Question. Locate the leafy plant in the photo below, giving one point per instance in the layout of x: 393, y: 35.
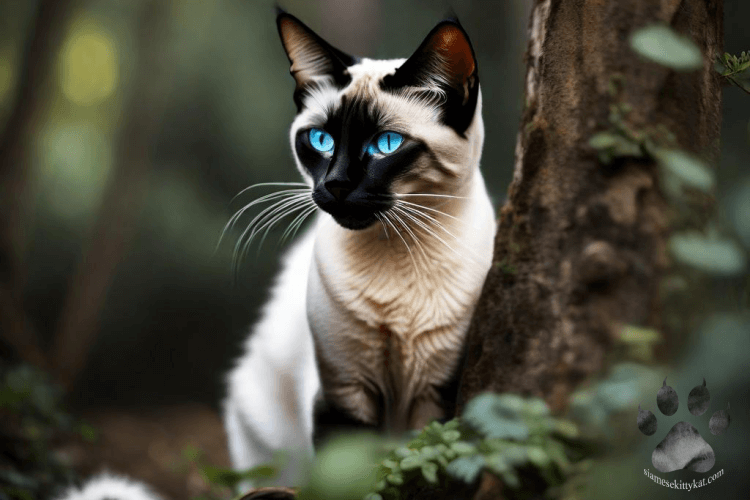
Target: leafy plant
x: 498, y: 433
x: 735, y: 69
x: 32, y: 420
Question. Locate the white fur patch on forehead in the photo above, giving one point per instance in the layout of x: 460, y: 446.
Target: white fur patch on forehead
x: 319, y: 102
x: 374, y: 68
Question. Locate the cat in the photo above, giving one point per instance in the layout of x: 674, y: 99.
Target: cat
x: 368, y: 316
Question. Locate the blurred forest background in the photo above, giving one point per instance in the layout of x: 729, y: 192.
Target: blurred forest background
x: 157, y: 113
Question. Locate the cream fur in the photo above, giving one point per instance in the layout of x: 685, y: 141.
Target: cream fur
x: 340, y: 290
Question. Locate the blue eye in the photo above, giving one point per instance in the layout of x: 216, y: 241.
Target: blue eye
x: 388, y: 142
x: 321, y: 140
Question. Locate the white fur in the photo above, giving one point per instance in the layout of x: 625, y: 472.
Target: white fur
x: 108, y: 486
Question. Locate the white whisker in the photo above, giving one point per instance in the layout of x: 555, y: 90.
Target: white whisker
x: 273, y: 218
x: 233, y: 220
x: 266, y: 184
x: 379, y: 216
x: 418, y: 206
x: 434, y: 195
x: 387, y: 216
x: 413, y: 235
x: 425, y: 227
x: 291, y: 230
x: 439, y: 225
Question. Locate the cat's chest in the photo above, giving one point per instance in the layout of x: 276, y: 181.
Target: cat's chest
x: 381, y: 285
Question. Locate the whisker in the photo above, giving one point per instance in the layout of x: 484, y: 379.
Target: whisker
x: 413, y: 236
x: 291, y: 230
x: 272, y: 218
x: 262, y: 219
x: 267, y: 222
x: 233, y: 220
x: 266, y: 184
x: 417, y: 205
x: 398, y: 233
x: 267, y: 212
x: 403, y: 195
x: 379, y: 216
x: 425, y: 227
x: 439, y: 225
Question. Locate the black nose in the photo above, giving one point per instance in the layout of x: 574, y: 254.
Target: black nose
x: 338, y: 189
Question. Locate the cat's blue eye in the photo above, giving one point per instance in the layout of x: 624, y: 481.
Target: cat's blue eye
x: 321, y: 140
x: 388, y: 142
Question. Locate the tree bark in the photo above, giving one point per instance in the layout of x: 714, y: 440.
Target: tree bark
x: 40, y: 50
x: 581, y: 245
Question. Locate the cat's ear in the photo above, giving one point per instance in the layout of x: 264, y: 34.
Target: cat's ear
x: 444, y: 62
x: 311, y: 57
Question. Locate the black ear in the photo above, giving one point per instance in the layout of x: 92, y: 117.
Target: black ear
x: 444, y: 61
x: 312, y: 58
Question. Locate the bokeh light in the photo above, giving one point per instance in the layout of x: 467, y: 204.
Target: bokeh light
x: 88, y: 63
x: 75, y: 163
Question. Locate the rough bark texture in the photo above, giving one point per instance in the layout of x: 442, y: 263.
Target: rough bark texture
x: 580, y: 245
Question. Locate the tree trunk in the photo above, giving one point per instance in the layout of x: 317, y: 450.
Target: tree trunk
x: 581, y: 245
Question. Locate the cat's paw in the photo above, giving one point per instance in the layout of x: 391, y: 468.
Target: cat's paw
x: 683, y: 447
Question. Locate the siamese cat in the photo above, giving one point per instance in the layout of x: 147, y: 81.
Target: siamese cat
x: 369, y: 313
x: 368, y: 316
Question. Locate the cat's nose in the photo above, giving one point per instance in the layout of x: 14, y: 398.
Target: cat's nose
x: 338, y: 190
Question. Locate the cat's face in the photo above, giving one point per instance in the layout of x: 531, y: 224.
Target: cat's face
x: 368, y: 131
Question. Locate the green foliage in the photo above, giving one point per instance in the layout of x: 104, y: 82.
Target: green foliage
x: 344, y: 469
x: 33, y: 419
x: 685, y: 168
x: 497, y: 433
x: 709, y: 253
x: 662, y: 45
x: 735, y: 69
x: 223, y: 481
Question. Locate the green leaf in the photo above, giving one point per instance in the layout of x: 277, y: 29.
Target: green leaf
x: 603, y: 140
x: 404, y: 452
x: 411, y: 462
x: 611, y: 145
x: 566, y: 429
x: 463, y: 448
x: 537, y: 408
x: 391, y: 464
x: 396, y: 479
x: 686, y: 167
x: 450, y: 436
x: 538, y: 456
x: 429, y: 472
x: 429, y: 453
x: 715, y: 256
x: 466, y: 468
x: 497, y: 463
x: 497, y: 416
x: 662, y: 45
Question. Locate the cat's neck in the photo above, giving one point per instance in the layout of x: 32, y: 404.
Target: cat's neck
x: 419, y: 238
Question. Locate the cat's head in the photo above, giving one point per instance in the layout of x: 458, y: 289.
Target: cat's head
x: 368, y: 131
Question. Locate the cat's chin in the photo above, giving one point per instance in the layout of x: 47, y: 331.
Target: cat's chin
x: 355, y: 223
